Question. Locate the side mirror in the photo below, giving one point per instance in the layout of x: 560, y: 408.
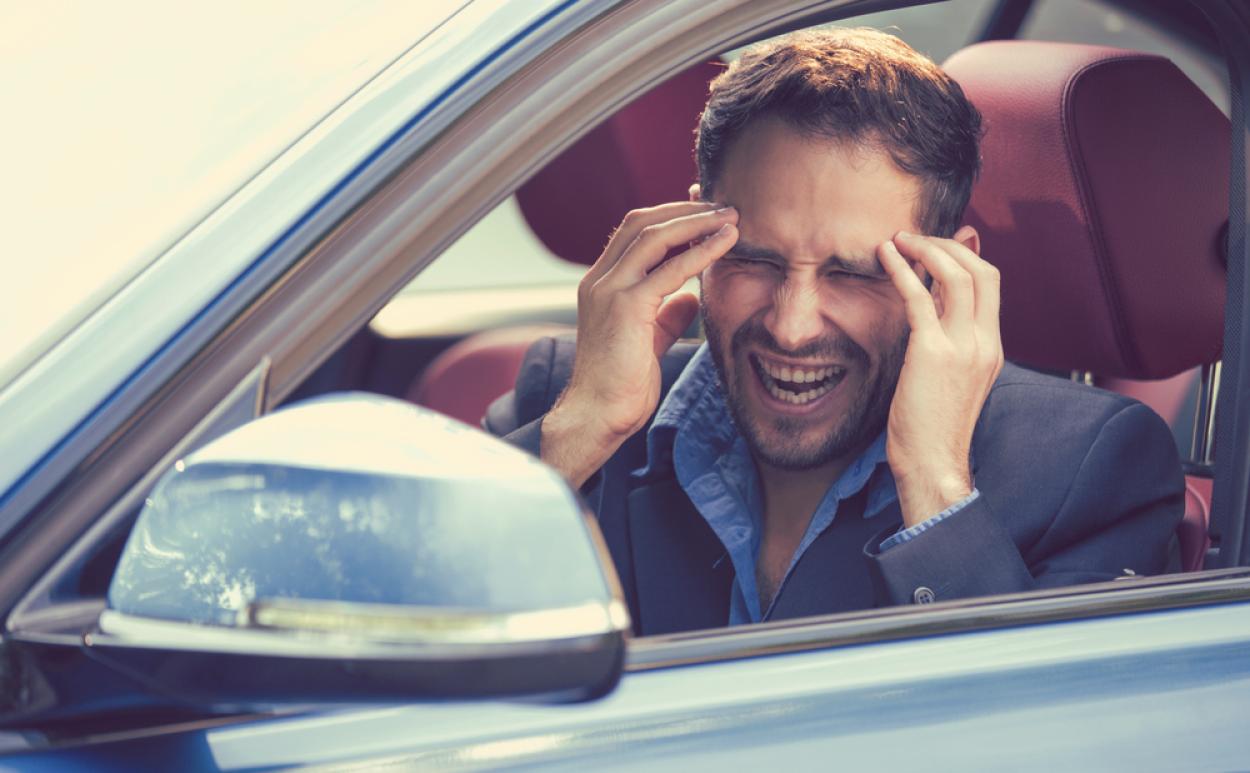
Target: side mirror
x: 356, y: 548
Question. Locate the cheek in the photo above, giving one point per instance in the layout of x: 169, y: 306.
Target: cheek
x: 871, y: 318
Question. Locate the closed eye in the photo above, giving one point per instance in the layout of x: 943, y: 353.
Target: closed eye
x: 840, y: 273
x: 755, y: 263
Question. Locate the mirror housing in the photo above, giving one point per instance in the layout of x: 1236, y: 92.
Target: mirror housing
x: 356, y: 547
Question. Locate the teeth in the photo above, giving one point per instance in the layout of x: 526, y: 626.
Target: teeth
x: 800, y: 375
x: 794, y: 398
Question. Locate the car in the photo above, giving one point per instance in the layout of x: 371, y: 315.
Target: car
x: 172, y: 402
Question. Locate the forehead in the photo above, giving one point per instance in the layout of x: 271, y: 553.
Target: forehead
x: 808, y: 198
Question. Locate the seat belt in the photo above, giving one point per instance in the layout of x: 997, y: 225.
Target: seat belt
x: 1229, y: 536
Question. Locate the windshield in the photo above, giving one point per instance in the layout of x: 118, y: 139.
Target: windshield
x: 127, y: 124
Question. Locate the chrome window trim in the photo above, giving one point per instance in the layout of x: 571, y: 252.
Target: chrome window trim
x: 421, y: 634
x: 1136, y: 596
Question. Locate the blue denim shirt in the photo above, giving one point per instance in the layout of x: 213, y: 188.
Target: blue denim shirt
x: 695, y: 432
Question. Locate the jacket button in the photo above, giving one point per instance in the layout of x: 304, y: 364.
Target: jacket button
x: 923, y: 595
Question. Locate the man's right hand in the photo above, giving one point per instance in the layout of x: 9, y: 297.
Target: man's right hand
x: 624, y: 327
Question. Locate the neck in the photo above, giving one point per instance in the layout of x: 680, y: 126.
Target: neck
x: 791, y: 496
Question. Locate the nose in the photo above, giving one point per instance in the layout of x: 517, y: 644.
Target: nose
x: 795, y: 318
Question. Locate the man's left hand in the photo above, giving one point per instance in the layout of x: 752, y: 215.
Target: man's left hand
x: 953, y: 356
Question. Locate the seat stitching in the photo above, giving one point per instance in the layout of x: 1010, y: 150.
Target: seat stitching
x: 1101, y: 261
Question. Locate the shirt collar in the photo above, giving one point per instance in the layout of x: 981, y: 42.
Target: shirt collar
x: 696, y: 393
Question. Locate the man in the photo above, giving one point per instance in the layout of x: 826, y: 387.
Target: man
x: 848, y: 436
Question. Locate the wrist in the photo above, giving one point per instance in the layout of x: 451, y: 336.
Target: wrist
x: 923, y: 495
x: 575, y: 443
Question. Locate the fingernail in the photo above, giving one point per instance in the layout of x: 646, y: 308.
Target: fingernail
x: 904, y: 234
x: 722, y: 230
x: 724, y: 210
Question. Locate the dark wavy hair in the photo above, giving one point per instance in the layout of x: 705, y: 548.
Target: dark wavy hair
x: 860, y: 86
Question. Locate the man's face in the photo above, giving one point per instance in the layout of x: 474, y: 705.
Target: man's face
x: 806, y: 330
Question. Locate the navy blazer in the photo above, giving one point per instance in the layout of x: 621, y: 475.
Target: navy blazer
x: 1077, y: 485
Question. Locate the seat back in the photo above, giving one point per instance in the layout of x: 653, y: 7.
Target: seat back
x: 1102, y: 201
x: 463, y: 380
x: 639, y: 157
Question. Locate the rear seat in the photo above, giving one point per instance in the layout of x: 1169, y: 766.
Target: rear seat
x: 645, y: 150
x: 1103, y: 213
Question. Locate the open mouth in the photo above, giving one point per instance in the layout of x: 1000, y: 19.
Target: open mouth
x: 797, y: 385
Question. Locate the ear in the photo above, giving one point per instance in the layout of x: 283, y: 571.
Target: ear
x: 694, y: 192
x: 968, y: 237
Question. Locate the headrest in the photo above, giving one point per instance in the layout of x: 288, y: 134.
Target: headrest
x: 641, y: 156
x: 1103, y: 201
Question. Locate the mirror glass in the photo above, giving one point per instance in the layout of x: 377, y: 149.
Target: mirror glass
x: 363, y: 499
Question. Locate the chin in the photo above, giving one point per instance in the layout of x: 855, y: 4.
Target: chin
x: 789, y: 447
x: 836, y: 428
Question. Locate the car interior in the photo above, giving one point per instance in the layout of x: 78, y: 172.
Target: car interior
x: 1117, y: 281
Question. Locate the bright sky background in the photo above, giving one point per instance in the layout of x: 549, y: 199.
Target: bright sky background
x: 126, y: 123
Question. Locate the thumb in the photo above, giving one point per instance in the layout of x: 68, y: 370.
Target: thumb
x: 672, y: 320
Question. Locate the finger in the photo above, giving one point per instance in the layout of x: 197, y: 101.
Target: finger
x: 668, y: 278
x: 656, y: 241
x: 957, y: 289
x: 917, y: 301
x: 632, y: 225
x: 986, y: 281
x: 673, y: 318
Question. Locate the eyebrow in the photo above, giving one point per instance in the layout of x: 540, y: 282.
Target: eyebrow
x: 866, y: 267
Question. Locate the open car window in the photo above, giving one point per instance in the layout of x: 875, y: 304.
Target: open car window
x: 503, y: 261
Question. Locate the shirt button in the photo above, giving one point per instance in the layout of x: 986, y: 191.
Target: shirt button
x: 923, y: 595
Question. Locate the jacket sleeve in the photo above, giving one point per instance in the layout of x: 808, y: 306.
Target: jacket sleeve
x: 516, y: 417
x: 1116, y: 515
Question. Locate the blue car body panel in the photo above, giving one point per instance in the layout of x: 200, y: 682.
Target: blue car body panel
x: 1113, y: 693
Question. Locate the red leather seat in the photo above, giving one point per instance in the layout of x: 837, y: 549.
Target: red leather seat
x: 1166, y: 396
x: 1102, y: 200
x: 465, y: 379
x: 641, y: 156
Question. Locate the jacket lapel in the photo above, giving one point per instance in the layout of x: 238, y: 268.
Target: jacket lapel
x: 681, y: 571
x: 833, y: 574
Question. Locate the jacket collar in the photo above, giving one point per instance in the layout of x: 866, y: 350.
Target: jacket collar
x: 682, y: 574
